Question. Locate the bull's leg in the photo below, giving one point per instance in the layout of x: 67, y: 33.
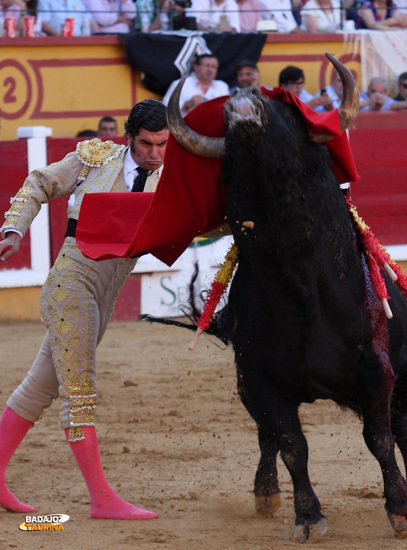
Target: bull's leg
x: 266, y: 489
x: 379, y: 440
x: 398, y: 417
x: 275, y: 416
x: 310, y: 523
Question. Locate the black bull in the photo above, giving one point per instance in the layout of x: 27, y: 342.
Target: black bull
x: 304, y: 319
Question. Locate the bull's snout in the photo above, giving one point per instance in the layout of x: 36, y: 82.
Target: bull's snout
x: 245, y: 105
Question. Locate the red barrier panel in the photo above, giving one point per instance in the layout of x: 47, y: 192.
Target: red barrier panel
x: 13, y: 171
x: 381, y: 193
x: 379, y: 120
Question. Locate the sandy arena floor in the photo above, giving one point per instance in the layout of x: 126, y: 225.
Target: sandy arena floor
x: 175, y: 439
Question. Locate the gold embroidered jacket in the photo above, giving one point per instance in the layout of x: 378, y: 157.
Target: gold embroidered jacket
x: 95, y: 167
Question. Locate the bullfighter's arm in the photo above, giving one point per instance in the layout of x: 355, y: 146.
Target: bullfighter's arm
x: 56, y: 180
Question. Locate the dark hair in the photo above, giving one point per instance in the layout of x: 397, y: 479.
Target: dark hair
x: 246, y: 63
x: 402, y: 76
x: 106, y: 119
x: 149, y: 114
x: 290, y: 74
x: 199, y: 58
x: 87, y: 133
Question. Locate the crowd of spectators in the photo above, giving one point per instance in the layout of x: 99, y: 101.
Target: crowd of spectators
x: 201, y: 85
x: 285, y: 16
x: 289, y: 16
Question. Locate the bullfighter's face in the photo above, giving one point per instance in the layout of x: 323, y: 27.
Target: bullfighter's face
x: 147, y: 148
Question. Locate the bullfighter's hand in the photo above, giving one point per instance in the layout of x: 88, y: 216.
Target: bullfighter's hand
x: 9, y: 246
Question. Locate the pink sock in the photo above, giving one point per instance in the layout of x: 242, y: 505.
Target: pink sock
x: 13, y: 429
x: 104, y: 503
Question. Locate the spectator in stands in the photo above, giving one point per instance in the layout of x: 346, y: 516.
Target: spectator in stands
x: 379, y: 15
x: 281, y: 12
x: 86, y: 133
x: 41, y: 27
x: 321, y: 16
x: 400, y: 101
x: 292, y: 79
x: 247, y: 74
x: 107, y: 128
x: 216, y: 15
x: 19, y: 9
x: 376, y: 98
x: 153, y: 15
x: 249, y: 15
x: 112, y: 16
x: 200, y: 85
x: 13, y: 8
x: 147, y: 15
x: 55, y: 12
x: 334, y: 92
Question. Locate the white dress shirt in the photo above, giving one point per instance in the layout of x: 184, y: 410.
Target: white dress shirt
x: 208, y: 13
x: 106, y: 12
x: 192, y: 87
x: 130, y: 169
x: 326, y: 22
x: 281, y: 12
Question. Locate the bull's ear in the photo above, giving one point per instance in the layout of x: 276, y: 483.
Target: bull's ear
x: 204, y: 146
x: 349, y: 106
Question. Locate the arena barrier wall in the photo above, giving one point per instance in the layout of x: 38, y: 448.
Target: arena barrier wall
x: 69, y: 83
x: 380, y: 196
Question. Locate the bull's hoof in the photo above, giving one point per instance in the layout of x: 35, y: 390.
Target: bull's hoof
x: 399, y: 524
x: 268, y: 506
x: 310, y: 532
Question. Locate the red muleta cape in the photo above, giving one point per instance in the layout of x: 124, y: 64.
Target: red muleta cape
x: 190, y: 199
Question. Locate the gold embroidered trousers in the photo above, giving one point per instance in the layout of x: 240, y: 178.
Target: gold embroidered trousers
x: 76, y: 303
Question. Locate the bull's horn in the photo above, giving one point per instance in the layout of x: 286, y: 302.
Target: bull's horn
x: 204, y: 146
x: 349, y: 106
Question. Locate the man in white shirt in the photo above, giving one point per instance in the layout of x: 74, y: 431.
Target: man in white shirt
x: 200, y: 85
x: 216, y: 15
x: 281, y: 12
x: 112, y: 16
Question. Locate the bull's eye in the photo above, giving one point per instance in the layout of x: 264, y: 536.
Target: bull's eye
x: 291, y: 119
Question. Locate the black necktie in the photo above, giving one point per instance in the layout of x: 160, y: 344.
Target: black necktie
x: 140, y: 180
